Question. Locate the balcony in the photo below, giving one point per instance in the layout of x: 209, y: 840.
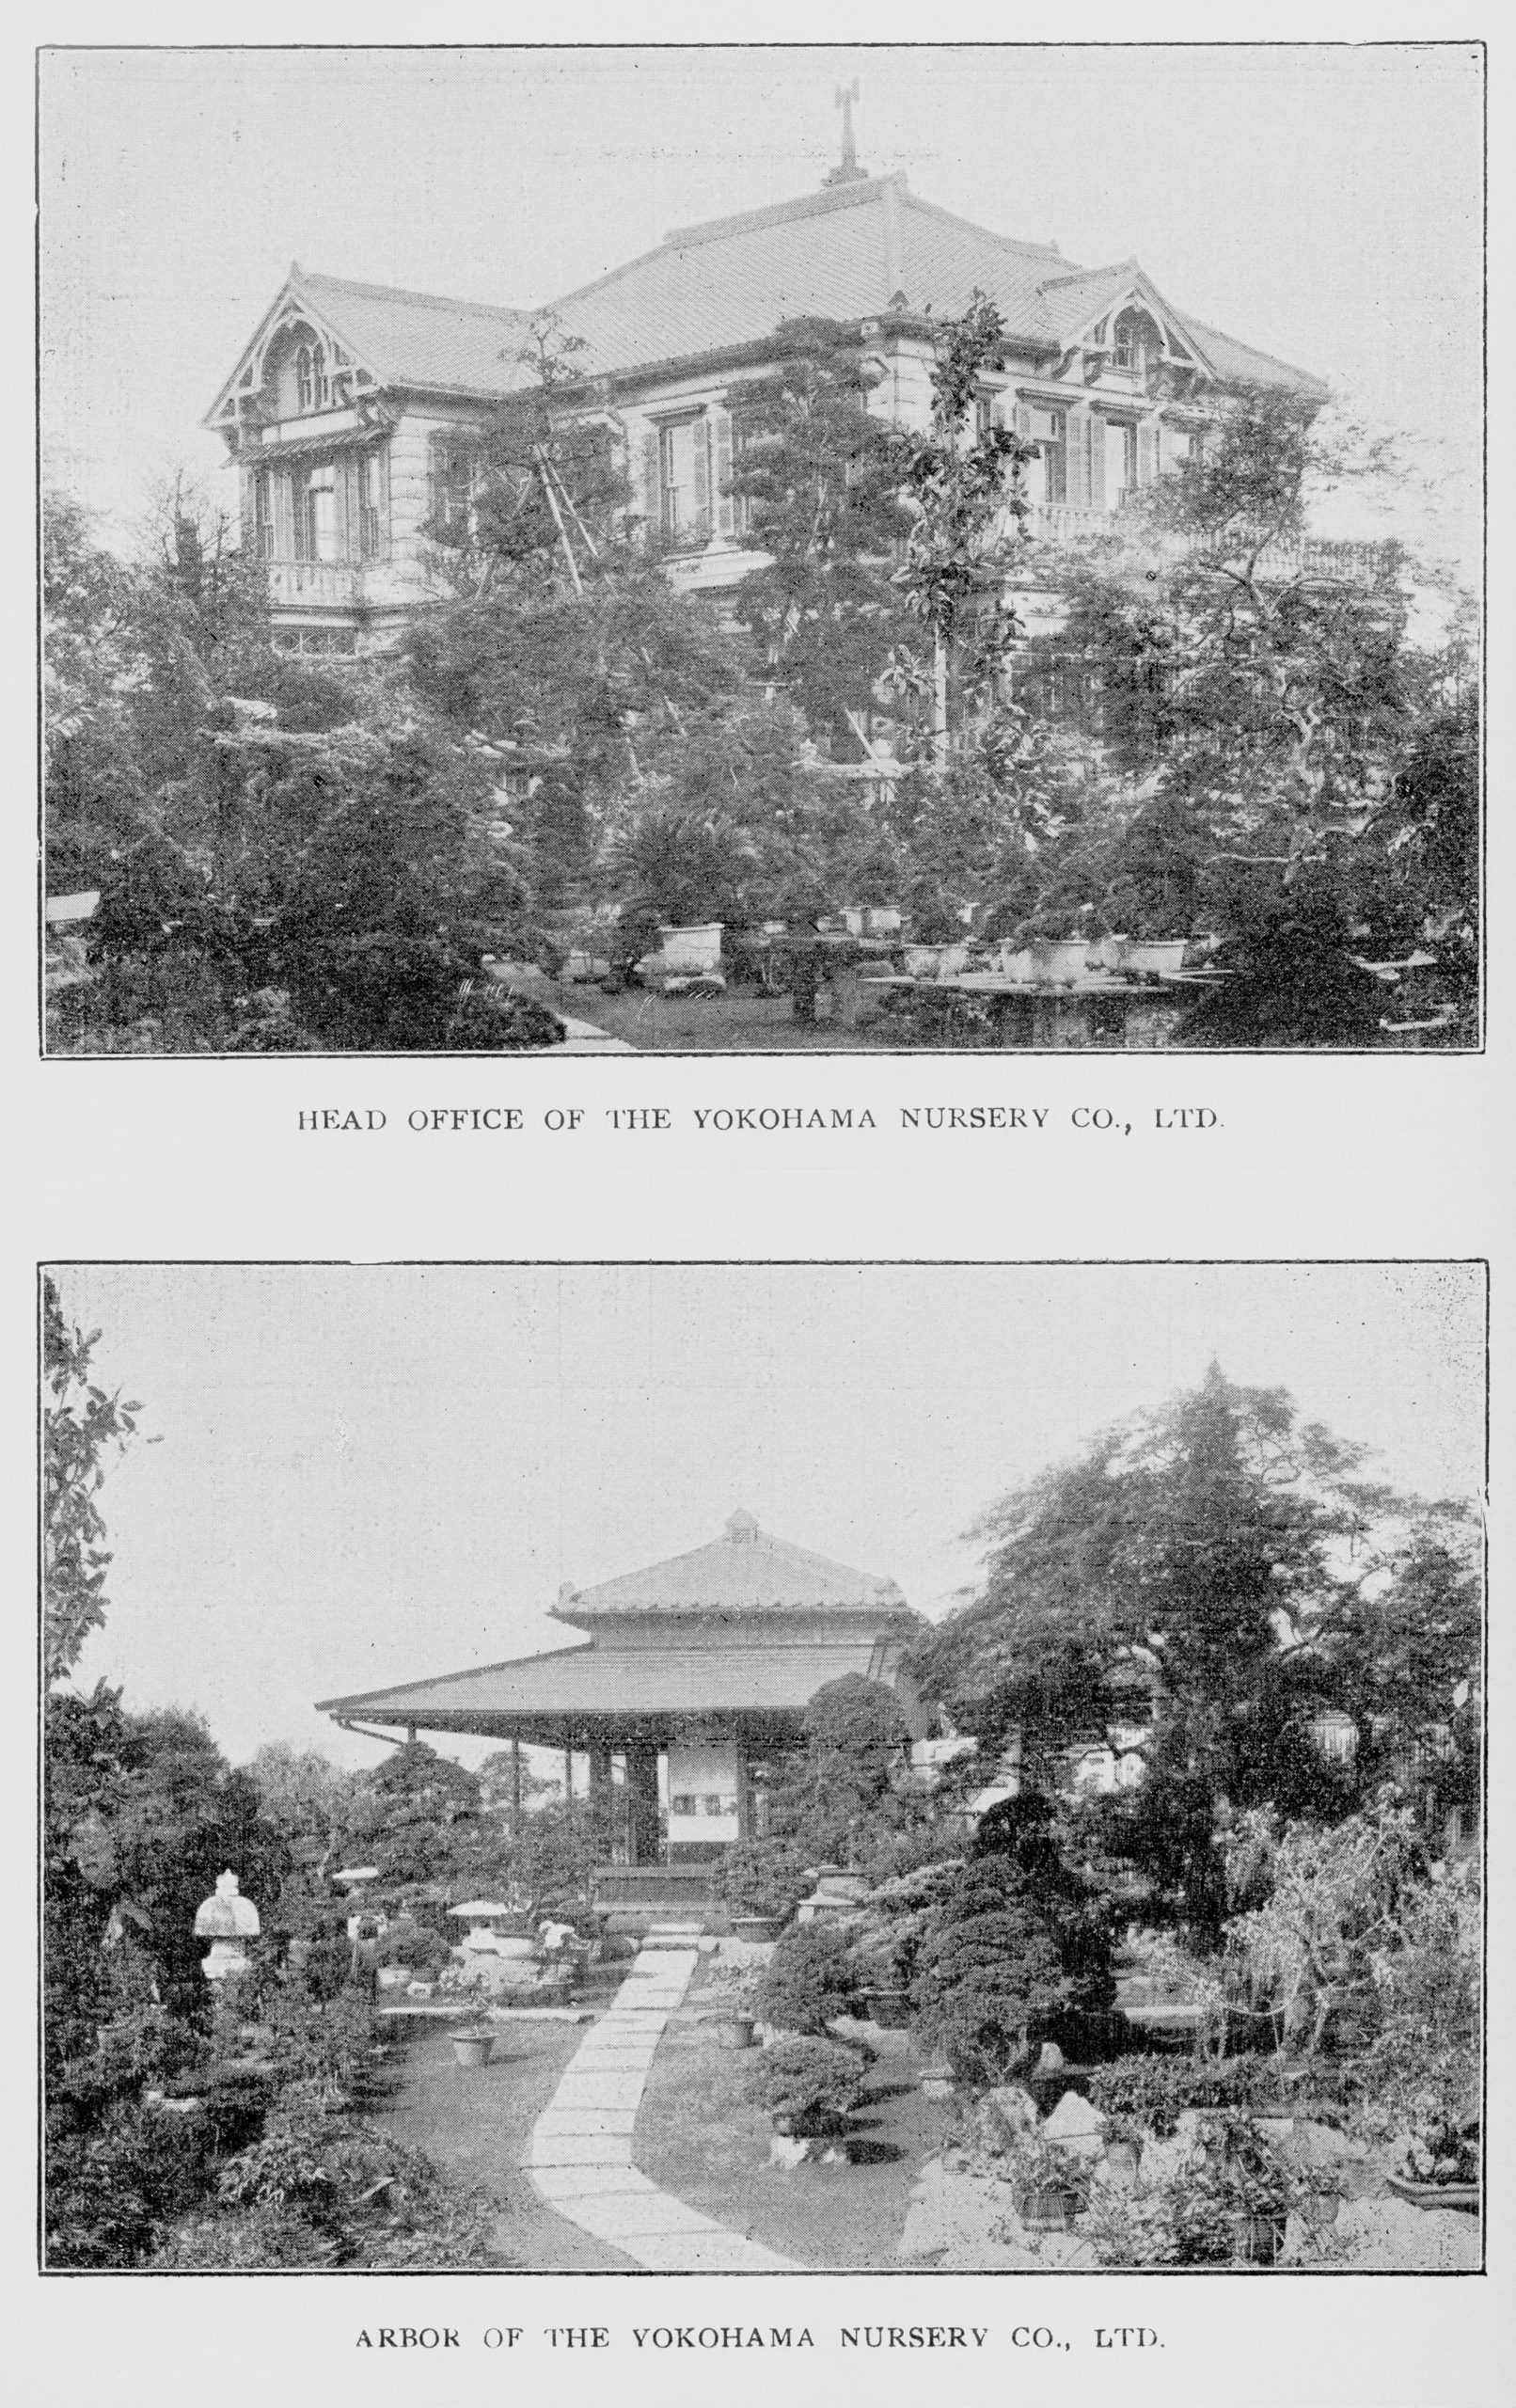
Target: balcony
x: 316, y: 585
x: 1066, y: 525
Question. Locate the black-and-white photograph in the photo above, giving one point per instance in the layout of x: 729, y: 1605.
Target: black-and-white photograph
x: 751, y: 1768
x: 743, y: 550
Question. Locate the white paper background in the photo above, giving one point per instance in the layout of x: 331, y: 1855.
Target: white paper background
x: 1384, y: 1156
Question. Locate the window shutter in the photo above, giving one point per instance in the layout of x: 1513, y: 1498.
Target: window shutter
x: 725, y: 509
x: 350, y: 529
x: 652, y: 481
x: 381, y: 499
x: 1094, y: 438
x: 1146, y: 450
x: 1023, y: 420
x: 701, y: 446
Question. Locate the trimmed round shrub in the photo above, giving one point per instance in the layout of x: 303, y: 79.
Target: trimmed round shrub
x: 809, y: 1980
x: 813, y: 2083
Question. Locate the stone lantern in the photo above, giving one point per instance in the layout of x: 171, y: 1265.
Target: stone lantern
x: 228, y: 1921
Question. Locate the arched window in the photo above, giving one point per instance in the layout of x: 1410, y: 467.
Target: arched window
x: 322, y: 392
x: 303, y: 386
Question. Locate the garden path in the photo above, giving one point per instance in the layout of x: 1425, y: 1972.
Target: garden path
x: 580, y: 2158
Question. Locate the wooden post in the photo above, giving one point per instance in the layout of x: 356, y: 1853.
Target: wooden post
x: 600, y: 1794
x: 744, y: 1814
x: 516, y: 1787
x: 642, y: 1802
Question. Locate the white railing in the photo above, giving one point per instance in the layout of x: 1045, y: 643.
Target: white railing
x: 338, y: 582
x: 1360, y: 563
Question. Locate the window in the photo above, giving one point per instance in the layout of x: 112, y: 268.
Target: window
x: 685, y: 1803
x: 370, y: 523
x: 264, y: 515
x: 1049, y: 475
x: 320, y: 382
x: 669, y: 464
x: 315, y: 514
x: 447, y: 489
x: 302, y: 387
x: 984, y: 417
x: 687, y: 472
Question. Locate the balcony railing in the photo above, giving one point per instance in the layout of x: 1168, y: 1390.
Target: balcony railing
x: 1063, y: 523
x: 336, y: 584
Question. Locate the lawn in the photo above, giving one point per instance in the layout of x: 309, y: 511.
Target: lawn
x: 476, y: 2122
x: 742, y: 1021
x: 698, y: 2137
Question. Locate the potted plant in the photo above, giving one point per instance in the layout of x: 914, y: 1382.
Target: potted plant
x: 1048, y: 2194
x: 1060, y: 955
x: 736, y: 2030
x: 472, y: 2043
x: 1319, y: 2197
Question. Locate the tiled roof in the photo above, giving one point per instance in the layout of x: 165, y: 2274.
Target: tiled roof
x: 855, y: 251
x: 419, y: 338
x: 746, y: 1571
x: 601, y: 1680
x: 846, y: 254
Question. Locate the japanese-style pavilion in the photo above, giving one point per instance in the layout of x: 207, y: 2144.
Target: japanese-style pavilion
x: 706, y: 1662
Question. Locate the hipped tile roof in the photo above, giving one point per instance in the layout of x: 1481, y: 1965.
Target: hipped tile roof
x: 611, y: 1681
x: 746, y: 1571
x: 853, y: 253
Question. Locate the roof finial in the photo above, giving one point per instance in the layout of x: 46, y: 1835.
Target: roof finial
x: 849, y: 172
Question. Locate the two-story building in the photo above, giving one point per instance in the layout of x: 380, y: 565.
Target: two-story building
x: 345, y: 409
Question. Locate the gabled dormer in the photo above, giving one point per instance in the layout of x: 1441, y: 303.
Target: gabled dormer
x: 297, y: 367
x: 1114, y: 327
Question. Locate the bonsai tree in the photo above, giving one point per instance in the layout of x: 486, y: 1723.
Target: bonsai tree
x: 761, y: 1878
x: 809, y: 1979
x: 808, y: 2084
x: 989, y: 1980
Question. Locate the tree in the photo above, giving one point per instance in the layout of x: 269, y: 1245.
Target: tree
x: 1190, y: 1575
x: 964, y: 507
x: 1310, y: 766
x: 833, y: 1794
x: 82, y: 1429
x: 815, y: 476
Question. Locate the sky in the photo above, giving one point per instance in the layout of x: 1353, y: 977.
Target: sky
x: 1324, y: 203
x: 366, y: 1474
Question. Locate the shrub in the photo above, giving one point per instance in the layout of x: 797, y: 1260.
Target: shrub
x: 761, y: 1878
x: 809, y: 1979
x: 813, y: 2083
x: 989, y: 1980
x: 1153, y: 2091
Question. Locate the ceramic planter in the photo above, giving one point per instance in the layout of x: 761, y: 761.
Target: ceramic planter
x: 1062, y: 960
x: 1110, y: 953
x: 1160, y: 959
x: 1018, y: 964
x: 1049, y: 2211
x: 472, y: 2048
x: 736, y: 2031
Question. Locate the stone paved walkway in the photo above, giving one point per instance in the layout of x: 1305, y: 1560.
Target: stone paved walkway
x: 581, y: 2145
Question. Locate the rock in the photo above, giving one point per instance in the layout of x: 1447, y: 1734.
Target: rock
x: 1165, y: 2161
x: 1075, y: 2125
x: 1015, y: 2108
x: 956, y: 2213
x: 788, y: 2153
x: 1051, y: 2058
x: 1391, y: 2236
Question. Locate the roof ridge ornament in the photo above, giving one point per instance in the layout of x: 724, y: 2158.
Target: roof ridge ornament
x: 741, y: 1528
x: 849, y: 172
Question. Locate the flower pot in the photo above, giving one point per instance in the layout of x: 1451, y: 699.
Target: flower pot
x: 1319, y: 2207
x: 1018, y: 963
x: 1161, y: 958
x: 395, y: 1977
x: 1110, y: 953
x: 1062, y: 960
x: 1258, y: 2238
x: 1049, y: 2211
x: 736, y: 2032
x: 473, y: 2047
